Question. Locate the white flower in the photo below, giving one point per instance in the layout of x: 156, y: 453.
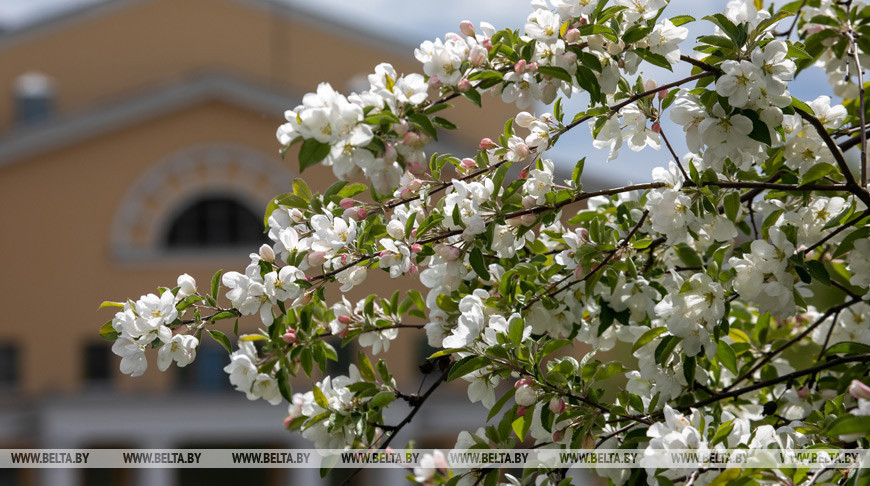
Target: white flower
x: 543, y: 25
x: 665, y: 40
x: 859, y: 263
x: 132, y: 355
x: 351, y: 277
x: 281, y: 286
x: 636, y: 133
x: 187, y: 286
x: 429, y: 465
x: 688, y: 112
x: 640, y: 9
x: 692, y: 310
x: 540, y: 182
x: 740, y: 83
x: 521, y: 88
x: 610, y: 136
x: 265, y: 387
x: 181, y: 349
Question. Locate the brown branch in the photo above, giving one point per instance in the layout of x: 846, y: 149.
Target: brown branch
x: 834, y: 233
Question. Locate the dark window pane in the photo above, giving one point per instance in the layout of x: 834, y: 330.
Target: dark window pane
x: 215, y: 222
x: 206, y: 373
x: 97, y: 363
x: 8, y: 365
x: 346, y: 356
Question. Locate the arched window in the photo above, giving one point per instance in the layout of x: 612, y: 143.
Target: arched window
x: 215, y: 222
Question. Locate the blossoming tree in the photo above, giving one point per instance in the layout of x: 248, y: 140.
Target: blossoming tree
x: 706, y: 271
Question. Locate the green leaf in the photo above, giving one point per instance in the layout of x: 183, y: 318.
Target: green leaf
x: 800, y: 105
x: 109, y: 303
x: 647, y: 337
x: 467, y: 365
x: 816, y: 172
x: 365, y: 368
x: 311, y: 153
x: 732, y: 205
x: 515, y: 330
x: 760, y: 132
x: 473, y: 96
x: 726, y: 356
x: 718, y: 41
x: 424, y: 123
x: 682, y: 19
x: 819, y: 272
x: 552, y: 346
x: 216, y: 284
x: 578, y: 172
x: 848, y: 348
x: 688, y: 255
x: 477, y: 263
x: 383, y: 399
x: 222, y: 339
x: 850, y: 425
x: 555, y: 72
x: 722, y: 432
x: 689, y: 364
x: 500, y: 403
x: 108, y: 332
x: 520, y: 425
x: 320, y: 398
x: 351, y: 190
x: 654, y: 59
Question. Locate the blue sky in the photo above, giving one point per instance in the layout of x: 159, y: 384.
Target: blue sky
x: 413, y: 21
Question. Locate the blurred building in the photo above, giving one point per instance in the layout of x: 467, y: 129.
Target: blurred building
x: 137, y: 143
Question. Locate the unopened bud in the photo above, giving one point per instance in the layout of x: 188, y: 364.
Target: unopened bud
x: 449, y: 253
x: 533, y: 67
x: 526, y: 396
x: 487, y: 144
x: 401, y: 129
x: 557, y: 405
x: 528, y: 219
x: 361, y: 214
x: 523, y: 382
x: 411, y: 139
x: 615, y: 48
x: 803, y: 393
x: 468, y: 163
x: 385, y: 253
x: 663, y: 94
x: 413, y: 270
x: 529, y: 201
x: 289, y: 337
x: 522, y: 151
x: 656, y: 127
x: 415, y: 185
x: 521, y: 410
x: 267, y: 253
x: 558, y: 435
x: 467, y: 28
x: 396, y: 229
x: 487, y: 44
x: 578, y: 272
x: 650, y: 85
x: 583, y: 21
x: 416, y: 248
x: 572, y: 36
x: 347, y: 203
x: 477, y: 55
x: 520, y: 67
x: 524, y: 174
x: 416, y: 167
x: 463, y: 85
x: 296, y: 215
x: 621, y: 64
x: 287, y: 421
x: 524, y: 119
x: 435, y: 82
x: 390, y: 154
x: 346, y: 320
x: 859, y: 390
x: 316, y: 258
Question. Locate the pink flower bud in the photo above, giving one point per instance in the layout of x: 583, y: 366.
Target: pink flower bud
x: 557, y: 405
x: 343, y: 259
x: 361, y: 214
x: 621, y: 64
x: 529, y: 201
x: 467, y: 28
x: 343, y: 333
x: 656, y: 127
x: 416, y: 248
x: 347, y: 203
x: 521, y: 410
x: 463, y: 85
x: 345, y: 320
x: 411, y: 139
x: 572, y: 36
x: 528, y: 219
x: 582, y: 22
x: 523, y: 382
x: 390, y: 154
x: 584, y: 234
x: 415, y: 185
x: 316, y: 258
x: 416, y: 168
x: 516, y: 222
x: 385, y: 253
x: 487, y: 144
x: 522, y: 151
x: 663, y: 94
x: 649, y: 84
x: 524, y: 174
x: 413, y: 270
x: 267, y: 253
x: 289, y: 337
x: 477, y: 55
x: 400, y: 128
x: 287, y: 421
x: 558, y: 435
x: 859, y: 390
x: 406, y: 193
x: 533, y: 67
x: 803, y: 393
x: 468, y: 163
x: 520, y: 67
x: 578, y: 272
x: 487, y: 44
x: 434, y: 82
